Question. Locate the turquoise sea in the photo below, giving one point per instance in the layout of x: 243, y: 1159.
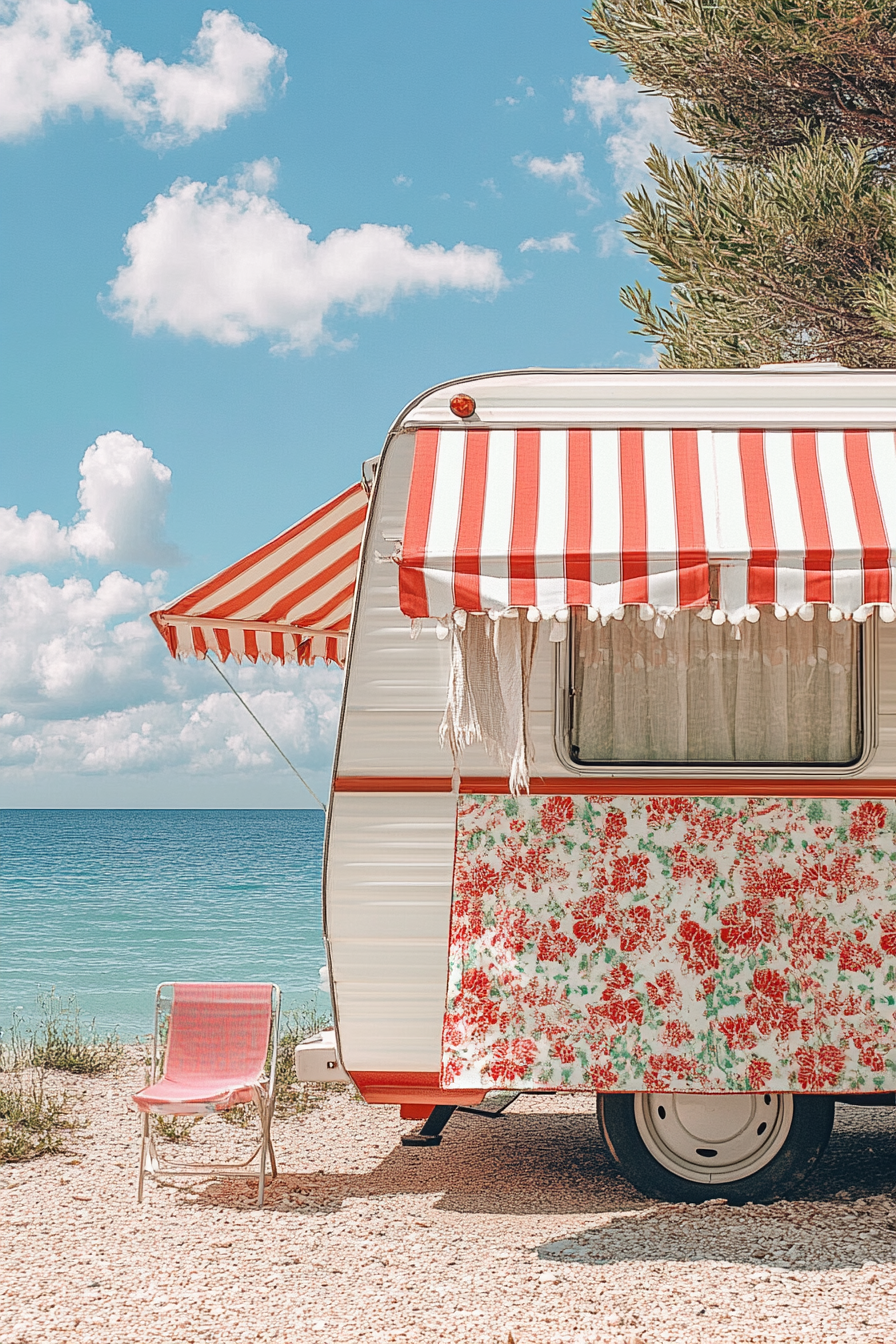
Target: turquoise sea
x: 105, y: 904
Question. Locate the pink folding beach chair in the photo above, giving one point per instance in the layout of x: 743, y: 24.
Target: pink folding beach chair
x: 209, y: 1053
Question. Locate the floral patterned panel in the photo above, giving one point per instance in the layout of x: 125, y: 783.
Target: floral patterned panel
x: 673, y: 944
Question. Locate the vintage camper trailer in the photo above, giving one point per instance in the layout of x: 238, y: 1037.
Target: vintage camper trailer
x: 614, y: 799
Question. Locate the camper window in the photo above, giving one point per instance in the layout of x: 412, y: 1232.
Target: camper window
x: 786, y: 692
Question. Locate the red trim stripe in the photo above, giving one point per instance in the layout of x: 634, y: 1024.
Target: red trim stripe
x: 693, y: 563
x: 411, y: 583
x: 468, y: 562
x: 621, y: 786
x: 578, y: 517
x: 251, y: 644
x: 761, y: 585
x: 634, y: 516
x: 872, y: 529
x: 524, y: 529
x: 223, y: 638
x: 819, y: 551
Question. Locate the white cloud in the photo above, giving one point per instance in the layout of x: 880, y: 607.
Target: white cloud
x: 35, y: 540
x: 260, y: 176
x: 55, y: 58
x: 88, y: 688
x: 560, y: 242
x: 123, y: 496
x: 640, y: 120
x: 609, y: 239
x: 228, y: 263
x: 402, y: 180
x: 76, y: 646
x: 570, y: 169
x: 198, y: 733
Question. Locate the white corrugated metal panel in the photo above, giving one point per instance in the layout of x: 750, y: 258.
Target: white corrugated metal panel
x: 388, y: 893
x: 784, y: 396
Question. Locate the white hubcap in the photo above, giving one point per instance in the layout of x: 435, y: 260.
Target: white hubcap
x: 710, y: 1140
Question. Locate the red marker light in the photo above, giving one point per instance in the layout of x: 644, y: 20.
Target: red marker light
x: 463, y: 406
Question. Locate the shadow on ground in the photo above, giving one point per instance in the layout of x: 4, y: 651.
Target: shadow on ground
x: 553, y: 1164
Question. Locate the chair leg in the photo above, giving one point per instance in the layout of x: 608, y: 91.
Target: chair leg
x: 265, y: 1109
x: 143, y: 1140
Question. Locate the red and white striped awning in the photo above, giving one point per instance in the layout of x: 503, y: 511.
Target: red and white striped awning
x: 548, y: 519
x: 290, y: 601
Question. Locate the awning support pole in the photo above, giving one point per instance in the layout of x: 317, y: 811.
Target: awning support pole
x: 220, y: 671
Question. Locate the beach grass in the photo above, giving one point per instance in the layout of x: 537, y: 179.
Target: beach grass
x: 33, y: 1120
x: 61, y: 1041
x: 293, y: 1097
x: 175, y: 1128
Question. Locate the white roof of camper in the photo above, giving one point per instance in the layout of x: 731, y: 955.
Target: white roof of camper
x: 780, y: 395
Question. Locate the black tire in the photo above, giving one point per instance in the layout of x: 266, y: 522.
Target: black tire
x: 626, y: 1118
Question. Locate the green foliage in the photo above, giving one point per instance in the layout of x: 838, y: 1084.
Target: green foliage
x: 175, y: 1128
x: 782, y: 244
x: 791, y: 260
x: 61, y: 1041
x: 743, y: 75
x: 32, y: 1121
x: 293, y: 1097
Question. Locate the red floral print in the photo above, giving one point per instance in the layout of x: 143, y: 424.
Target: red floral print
x: 664, y: 992
x: 554, y: 944
x: 676, y: 1034
x: 603, y: 1077
x: 811, y: 940
x: 511, y: 1060
x: 770, y: 884
x: 641, y: 930
x: 556, y: 814
x: 617, y: 943
x: 819, y: 1069
x: 759, y: 1074
x: 615, y: 825
x: 629, y: 873
x: 686, y: 864
x: 695, y: 947
x: 858, y: 955
x: 746, y: 925
x: 866, y: 820
x: 767, y: 1007
x: 888, y: 934
x: 662, y: 1070
x: 738, y: 1032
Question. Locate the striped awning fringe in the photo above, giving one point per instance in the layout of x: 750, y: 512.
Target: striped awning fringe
x: 288, y: 602
x: 725, y: 521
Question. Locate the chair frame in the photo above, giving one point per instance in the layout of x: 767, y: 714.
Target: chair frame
x: 264, y: 1096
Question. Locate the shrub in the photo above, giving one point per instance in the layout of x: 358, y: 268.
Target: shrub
x: 32, y: 1121
x: 60, y: 1041
x: 175, y: 1128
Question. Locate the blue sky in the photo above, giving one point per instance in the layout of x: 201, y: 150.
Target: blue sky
x: 227, y: 370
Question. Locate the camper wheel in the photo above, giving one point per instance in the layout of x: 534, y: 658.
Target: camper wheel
x: 691, y: 1147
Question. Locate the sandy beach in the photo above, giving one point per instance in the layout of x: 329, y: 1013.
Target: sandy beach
x: 516, y: 1225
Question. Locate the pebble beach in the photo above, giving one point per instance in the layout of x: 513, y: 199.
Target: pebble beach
x: 517, y: 1226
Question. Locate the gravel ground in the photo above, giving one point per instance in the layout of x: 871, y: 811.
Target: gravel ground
x: 516, y: 1225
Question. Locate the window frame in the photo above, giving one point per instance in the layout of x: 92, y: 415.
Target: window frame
x: 564, y: 681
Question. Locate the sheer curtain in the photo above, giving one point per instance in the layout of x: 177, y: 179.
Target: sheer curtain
x: 785, y: 691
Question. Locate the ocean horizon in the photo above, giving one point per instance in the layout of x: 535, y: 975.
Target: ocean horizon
x: 102, y: 904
